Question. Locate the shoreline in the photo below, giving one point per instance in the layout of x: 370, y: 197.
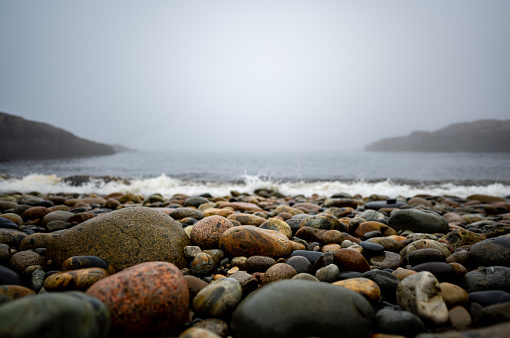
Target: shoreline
x: 416, y: 262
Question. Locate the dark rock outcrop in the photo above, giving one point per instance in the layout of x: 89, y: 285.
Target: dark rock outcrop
x: 478, y: 136
x: 22, y: 139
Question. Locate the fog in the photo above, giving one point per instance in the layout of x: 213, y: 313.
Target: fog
x: 254, y: 76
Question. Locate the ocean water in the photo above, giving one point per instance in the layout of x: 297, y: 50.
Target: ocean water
x: 291, y: 173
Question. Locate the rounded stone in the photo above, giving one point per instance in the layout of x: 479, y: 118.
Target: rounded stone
x: 195, y: 201
x: 8, y: 277
x: 215, y: 325
x: 389, y: 244
x: 57, y: 215
x: 388, y: 260
x: 277, y: 225
x: 202, y: 263
x: 418, y: 221
x: 490, y: 278
x: 300, y: 264
x: 351, y: 260
x: 461, y: 237
x: 149, y: 298
x: 34, y: 213
x: 181, y: 213
x: 74, y: 280
x: 421, y: 295
x: 453, y: 295
x: 324, y: 221
x: 23, y: 259
x: 444, y: 272
x: 329, y: 273
x: 219, y: 298
x: 425, y: 256
x: 386, y: 281
x: 277, y: 272
x: 246, y: 240
x: 8, y: 293
x: 491, y: 252
x: 332, y: 237
x: 67, y: 314
x: 123, y: 238
x: 398, y: 322
x: 301, y: 308
x: 206, y: 233
x: 370, y: 226
x: 247, y: 219
x: 195, y: 284
x: 258, y: 263
x: 82, y: 262
x: 489, y: 297
x: 364, y: 286
x: 423, y: 244
x: 198, y: 332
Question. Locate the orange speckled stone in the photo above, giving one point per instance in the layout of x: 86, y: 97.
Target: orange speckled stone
x: 206, y: 233
x: 365, y: 227
x: 146, y: 299
x: 34, y: 213
x: 12, y: 292
x: 247, y: 240
x: 351, y: 260
x: 247, y: 219
x: 402, y: 273
x: 79, y: 280
x: 364, y: 286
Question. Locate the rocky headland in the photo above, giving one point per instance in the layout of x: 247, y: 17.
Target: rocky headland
x: 254, y: 265
x: 22, y: 139
x: 478, y: 136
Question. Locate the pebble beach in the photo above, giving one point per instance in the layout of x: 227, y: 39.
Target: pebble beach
x: 258, y: 264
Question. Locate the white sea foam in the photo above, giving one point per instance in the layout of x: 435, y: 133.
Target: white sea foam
x: 169, y: 186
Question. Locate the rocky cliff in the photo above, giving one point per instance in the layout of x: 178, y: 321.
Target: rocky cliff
x: 23, y: 139
x: 478, y: 136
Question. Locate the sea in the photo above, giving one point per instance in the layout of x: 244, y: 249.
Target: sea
x: 391, y: 174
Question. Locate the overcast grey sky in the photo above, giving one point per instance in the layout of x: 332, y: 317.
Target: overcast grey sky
x: 259, y: 75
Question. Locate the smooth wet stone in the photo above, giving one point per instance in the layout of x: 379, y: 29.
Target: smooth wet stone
x: 491, y: 252
x: 329, y: 274
x: 324, y: 222
x: 306, y: 276
x: 444, y: 272
x: 324, y: 260
x: 219, y: 298
x: 240, y: 206
x: 398, y: 322
x: 389, y: 244
x: 217, y: 212
x: 195, y: 284
x: 340, y: 203
x: 459, y: 317
x: 493, y: 314
x: 215, y: 325
x: 421, y: 295
x: 5, y: 254
x: 490, y: 278
x: 259, y: 263
x: 246, y: 240
x: 11, y: 237
x: 149, y: 298
x: 6, y: 223
x: 82, y: 262
x: 453, y: 295
x: 57, y: 215
x: 9, y: 293
x: 34, y: 213
x: 277, y: 272
x: 191, y: 251
x: 351, y: 260
x: 386, y: 281
x: 23, y: 259
x: 425, y: 256
x: 461, y: 257
x: 123, y: 238
x: 247, y: 281
x: 489, y: 297
x: 423, y: 244
x: 195, y: 201
x: 310, y: 234
x: 332, y: 237
x: 300, y: 264
x: 74, y: 280
x: 68, y: 314
x: 371, y: 249
x: 388, y: 260
x: 180, y: 213
x: 247, y: 219
x: 206, y: 233
x: 418, y: 221
x: 301, y: 308
x: 277, y: 225
x: 202, y: 263
x: 370, y: 226
x: 364, y: 286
